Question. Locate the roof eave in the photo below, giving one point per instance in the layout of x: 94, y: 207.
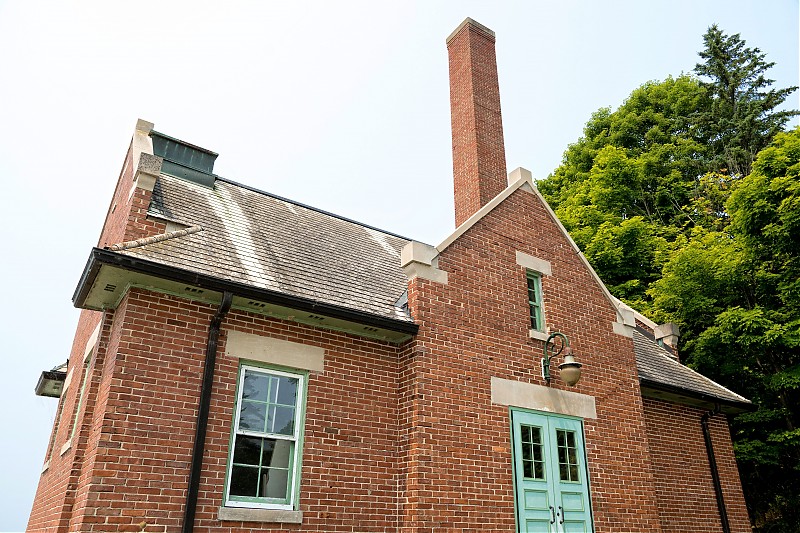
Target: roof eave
x: 694, y: 398
x: 50, y: 384
x: 100, y: 257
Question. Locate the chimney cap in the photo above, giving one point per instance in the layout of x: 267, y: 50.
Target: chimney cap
x: 470, y: 22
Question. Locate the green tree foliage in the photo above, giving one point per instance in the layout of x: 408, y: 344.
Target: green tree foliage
x: 736, y: 296
x: 623, y: 189
x: 742, y: 119
x: 663, y: 165
x: 689, y: 211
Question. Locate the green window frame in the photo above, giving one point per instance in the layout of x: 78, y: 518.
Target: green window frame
x: 56, y: 425
x: 81, y: 393
x: 536, y: 312
x: 264, y: 455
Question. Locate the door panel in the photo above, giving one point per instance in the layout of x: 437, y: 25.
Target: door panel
x: 550, y: 474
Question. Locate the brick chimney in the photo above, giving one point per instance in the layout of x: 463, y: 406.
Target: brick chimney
x: 479, y: 157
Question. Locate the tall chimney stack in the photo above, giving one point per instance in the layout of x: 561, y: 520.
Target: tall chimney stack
x: 479, y: 156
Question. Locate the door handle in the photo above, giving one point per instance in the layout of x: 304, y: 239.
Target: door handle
x: 553, y: 514
x: 561, y: 514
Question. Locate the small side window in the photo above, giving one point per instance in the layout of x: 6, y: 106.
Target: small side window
x: 264, y: 459
x: 535, y: 300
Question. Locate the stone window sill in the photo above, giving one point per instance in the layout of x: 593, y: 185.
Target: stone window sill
x: 536, y: 334
x: 241, y: 514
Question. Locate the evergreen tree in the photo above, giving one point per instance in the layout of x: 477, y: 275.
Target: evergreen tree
x: 743, y: 117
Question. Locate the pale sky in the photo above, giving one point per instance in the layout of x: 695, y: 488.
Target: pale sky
x: 339, y: 105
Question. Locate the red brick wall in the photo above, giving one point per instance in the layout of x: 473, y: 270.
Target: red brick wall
x: 138, y: 462
x: 476, y: 327
x: 126, y: 219
x: 53, y: 500
x: 686, y: 498
x: 479, y: 157
x: 398, y: 438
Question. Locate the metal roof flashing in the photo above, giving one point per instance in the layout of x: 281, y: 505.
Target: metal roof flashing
x: 184, y: 160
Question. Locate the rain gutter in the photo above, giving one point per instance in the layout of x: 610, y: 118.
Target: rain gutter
x: 100, y: 257
x: 733, y: 405
x: 201, y: 424
x: 712, y: 461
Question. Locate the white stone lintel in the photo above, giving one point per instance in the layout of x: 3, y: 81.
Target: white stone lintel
x: 67, y: 381
x: 90, y: 344
x: 530, y: 262
x: 274, y: 351
x: 67, y: 445
x: 539, y: 398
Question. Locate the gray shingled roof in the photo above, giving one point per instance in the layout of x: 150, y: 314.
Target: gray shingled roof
x: 657, y: 366
x: 267, y: 242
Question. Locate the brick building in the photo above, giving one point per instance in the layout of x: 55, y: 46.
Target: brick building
x: 244, y: 362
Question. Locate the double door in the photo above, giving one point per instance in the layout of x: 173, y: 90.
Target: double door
x: 552, y: 486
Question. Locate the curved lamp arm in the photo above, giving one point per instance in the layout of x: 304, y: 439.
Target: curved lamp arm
x: 551, y: 349
x: 570, y: 369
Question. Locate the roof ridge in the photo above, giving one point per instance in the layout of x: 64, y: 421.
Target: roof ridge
x: 154, y: 239
x: 312, y: 208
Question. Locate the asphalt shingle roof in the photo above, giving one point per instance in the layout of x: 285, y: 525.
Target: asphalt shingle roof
x: 267, y: 242
x: 656, y: 365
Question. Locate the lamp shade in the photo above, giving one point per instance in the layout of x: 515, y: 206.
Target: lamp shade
x: 570, y: 370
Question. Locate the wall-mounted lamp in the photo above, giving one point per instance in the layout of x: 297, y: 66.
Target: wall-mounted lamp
x: 570, y: 369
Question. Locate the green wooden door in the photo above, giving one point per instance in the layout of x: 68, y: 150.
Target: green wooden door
x: 552, y: 488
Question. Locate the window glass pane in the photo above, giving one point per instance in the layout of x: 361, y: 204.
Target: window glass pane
x: 247, y: 450
x: 567, y: 455
x: 253, y: 416
x: 532, y: 287
x: 277, y: 453
x: 281, y: 420
x: 255, y: 386
x: 526, y: 452
x: 244, y: 481
x: 534, y: 301
x: 274, y: 483
x: 261, y: 466
x: 532, y: 452
x: 287, y: 390
x: 527, y: 469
